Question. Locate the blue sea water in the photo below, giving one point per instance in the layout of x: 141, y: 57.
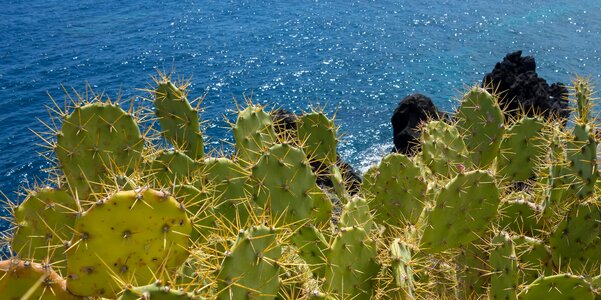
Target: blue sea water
x: 356, y: 58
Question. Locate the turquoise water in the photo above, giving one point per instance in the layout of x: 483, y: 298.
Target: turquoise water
x: 358, y: 58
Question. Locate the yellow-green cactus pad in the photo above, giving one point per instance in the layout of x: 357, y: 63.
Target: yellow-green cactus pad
x: 26, y: 280
x: 132, y: 236
x: 44, y: 221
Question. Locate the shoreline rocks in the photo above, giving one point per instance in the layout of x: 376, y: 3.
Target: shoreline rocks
x: 516, y: 82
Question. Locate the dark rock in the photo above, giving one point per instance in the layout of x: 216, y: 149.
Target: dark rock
x: 283, y: 120
x: 519, y: 87
x: 407, y: 116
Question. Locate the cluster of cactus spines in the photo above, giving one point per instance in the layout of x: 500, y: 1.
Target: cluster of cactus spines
x: 43, y: 225
x: 23, y: 279
x: 481, y: 212
x: 443, y: 149
x: 482, y: 124
x: 396, y: 190
x: 251, y: 268
x: 142, y: 248
x: 178, y: 119
x: 462, y: 212
x: 95, y: 139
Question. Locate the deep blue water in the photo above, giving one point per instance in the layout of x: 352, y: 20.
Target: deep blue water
x: 357, y: 57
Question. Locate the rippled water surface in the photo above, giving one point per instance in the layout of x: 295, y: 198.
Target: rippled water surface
x: 358, y: 58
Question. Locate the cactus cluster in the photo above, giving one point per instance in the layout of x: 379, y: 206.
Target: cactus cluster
x: 492, y: 208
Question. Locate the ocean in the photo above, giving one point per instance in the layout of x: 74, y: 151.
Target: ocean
x: 357, y: 59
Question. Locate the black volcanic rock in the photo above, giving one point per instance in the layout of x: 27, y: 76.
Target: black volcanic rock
x: 518, y: 85
x: 407, y: 116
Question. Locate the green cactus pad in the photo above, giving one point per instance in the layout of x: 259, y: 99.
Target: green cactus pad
x: 575, y: 241
x: 178, y: 120
x: 251, y: 269
x: 155, y: 291
x: 254, y: 133
x: 534, y: 258
x: 317, y: 134
x: 356, y: 213
x: 562, y: 286
x: 522, y: 150
x: 582, y: 167
x: 463, y: 211
x: 44, y: 221
x: 472, y: 271
x: 287, y: 185
x: 133, y: 235
x: 95, y: 140
x: 351, y: 266
x: 481, y: 123
x: 312, y: 247
x: 443, y: 149
x: 20, y: 278
x: 504, y: 265
x: 519, y: 215
x: 396, y: 191
x: 172, y: 167
x: 402, y: 269
x: 230, y: 190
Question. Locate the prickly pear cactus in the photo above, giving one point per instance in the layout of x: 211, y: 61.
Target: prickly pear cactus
x: 522, y: 151
x: 402, y: 270
x: 504, y: 264
x: 21, y: 279
x: 396, y: 190
x: 287, y: 186
x: 481, y: 123
x: 317, y: 134
x: 250, y: 269
x: 312, y: 247
x: 179, y: 121
x: 172, y: 167
x: 133, y: 235
x: 443, y: 149
x: 230, y: 190
x: 351, y: 265
x: 562, y: 286
x: 356, y: 213
x: 463, y: 211
x: 534, y: 258
x: 254, y: 133
x: 519, y: 215
x: 156, y: 291
x: 575, y: 242
x: 43, y: 224
x: 95, y: 140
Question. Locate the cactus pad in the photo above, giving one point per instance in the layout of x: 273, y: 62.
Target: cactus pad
x: 482, y: 124
x: 132, y: 235
x: 155, y: 291
x: 504, y: 264
x: 254, y: 133
x: 317, y: 134
x: 250, y: 269
x: 562, y: 286
x: 522, y: 150
x: 26, y: 280
x: 95, y: 139
x: 443, y: 149
x: 463, y: 210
